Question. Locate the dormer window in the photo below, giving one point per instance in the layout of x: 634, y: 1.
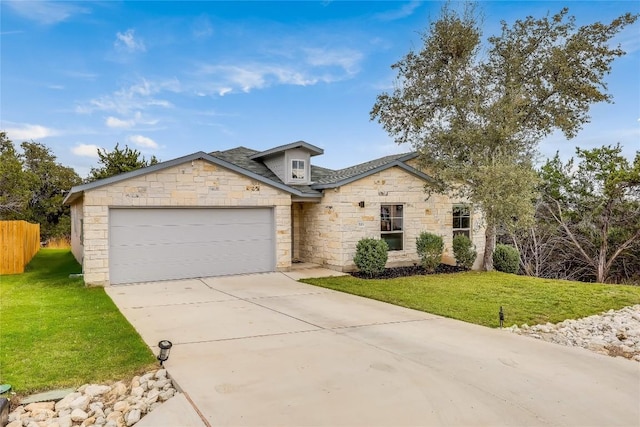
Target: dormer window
x: 298, y: 170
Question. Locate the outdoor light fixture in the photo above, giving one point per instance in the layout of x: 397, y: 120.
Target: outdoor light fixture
x: 501, y: 316
x: 165, y: 348
x: 361, y: 204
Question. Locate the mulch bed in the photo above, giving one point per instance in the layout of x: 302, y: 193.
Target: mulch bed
x: 415, y: 270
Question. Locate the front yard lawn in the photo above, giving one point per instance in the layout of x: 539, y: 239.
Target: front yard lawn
x: 55, y: 332
x: 476, y: 297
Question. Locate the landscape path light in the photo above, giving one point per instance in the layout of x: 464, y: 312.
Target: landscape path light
x: 165, y: 348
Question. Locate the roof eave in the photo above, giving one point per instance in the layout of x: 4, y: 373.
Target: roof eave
x: 313, y: 150
x: 78, y: 190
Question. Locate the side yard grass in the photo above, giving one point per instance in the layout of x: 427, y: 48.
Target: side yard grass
x: 55, y: 332
x: 476, y: 297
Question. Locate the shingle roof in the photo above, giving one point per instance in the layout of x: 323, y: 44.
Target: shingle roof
x: 362, y: 168
x: 313, y: 150
x: 240, y: 156
x: 240, y: 160
x: 321, y: 178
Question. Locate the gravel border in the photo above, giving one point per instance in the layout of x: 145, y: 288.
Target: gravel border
x: 615, y: 333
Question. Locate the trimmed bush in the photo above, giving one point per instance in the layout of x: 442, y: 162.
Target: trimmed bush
x: 429, y: 247
x: 371, y: 256
x: 506, y: 259
x: 464, y: 251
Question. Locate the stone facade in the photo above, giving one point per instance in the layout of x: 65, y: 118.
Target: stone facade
x: 327, y: 232
x: 324, y: 231
x: 193, y: 184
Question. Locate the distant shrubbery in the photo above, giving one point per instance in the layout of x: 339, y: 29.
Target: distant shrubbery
x: 506, y: 259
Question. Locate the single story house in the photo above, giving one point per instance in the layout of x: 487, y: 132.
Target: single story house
x: 246, y: 211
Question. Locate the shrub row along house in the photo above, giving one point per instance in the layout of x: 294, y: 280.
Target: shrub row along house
x: 246, y: 211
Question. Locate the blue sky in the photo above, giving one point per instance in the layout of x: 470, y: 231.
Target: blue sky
x: 173, y: 78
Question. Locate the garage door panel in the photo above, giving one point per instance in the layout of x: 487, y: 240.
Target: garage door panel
x: 202, y: 252
x: 163, y: 244
x: 142, y: 217
x: 145, y: 235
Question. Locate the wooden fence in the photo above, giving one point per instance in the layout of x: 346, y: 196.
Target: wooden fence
x: 19, y: 242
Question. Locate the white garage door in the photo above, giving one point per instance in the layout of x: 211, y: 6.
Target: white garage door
x: 162, y: 244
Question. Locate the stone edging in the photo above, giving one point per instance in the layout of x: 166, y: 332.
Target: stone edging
x: 614, y: 333
x: 115, y: 405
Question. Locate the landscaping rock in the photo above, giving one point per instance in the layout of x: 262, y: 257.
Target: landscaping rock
x: 39, y: 405
x: 96, y: 390
x: 615, y: 333
x: 81, y: 402
x: 42, y: 414
x: 99, y: 405
x: 65, y: 421
x: 78, y: 415
x: 65, y: 403
x: 133, y: 417
x: 137, y: 391
x: 121, y: 406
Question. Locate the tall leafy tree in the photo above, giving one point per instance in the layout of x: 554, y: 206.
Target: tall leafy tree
x: 476, y: 117
x: 48, y: 182
x: 14, y: 188
x: 596, y: 206
x: 32, y: 187
x: 118, y: 161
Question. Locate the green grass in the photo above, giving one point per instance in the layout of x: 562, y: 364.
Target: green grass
x: 476, y: 297
x: 55, y: 332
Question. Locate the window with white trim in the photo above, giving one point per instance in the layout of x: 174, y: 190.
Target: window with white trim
x: 298, y: 170
x: 392, y: 226
x: 462, y: 220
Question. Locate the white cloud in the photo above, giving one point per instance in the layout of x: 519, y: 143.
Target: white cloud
x: 85, y: 150
x: 81, y: 75
x: 114, y: 122
x: 46, y: 12
x: 202, y: 27
x: 137, y: 97
x: 127, y: 42
x: 8, y: 33
x: 627, y: 39
x: 25, y: 132
x: 142, y: 141
x: 308, y: 67
x: 403, y: 12
x: 347, y: 59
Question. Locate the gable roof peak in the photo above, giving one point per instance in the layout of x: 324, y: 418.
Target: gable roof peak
x: 312, y: 149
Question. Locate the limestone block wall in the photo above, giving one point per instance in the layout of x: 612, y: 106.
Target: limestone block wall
x: 319, y: 236
x: 333, y: 227
x: 193, y: 184
x: 76, y: 230
x: 296, y: 224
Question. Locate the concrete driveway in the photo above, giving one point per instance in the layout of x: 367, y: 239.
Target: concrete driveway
x: 263, y: 349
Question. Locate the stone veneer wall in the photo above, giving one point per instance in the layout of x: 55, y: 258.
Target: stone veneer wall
x: 193, y: 184
x: 76, y: 230
x: 332, y: 228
